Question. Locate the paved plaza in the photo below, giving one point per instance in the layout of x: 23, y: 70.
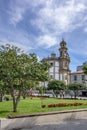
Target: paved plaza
x: 66, y: 125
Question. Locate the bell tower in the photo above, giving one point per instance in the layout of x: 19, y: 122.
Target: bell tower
x: 64, y: 61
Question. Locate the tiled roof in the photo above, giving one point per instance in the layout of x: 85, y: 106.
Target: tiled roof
x: 78, y: 72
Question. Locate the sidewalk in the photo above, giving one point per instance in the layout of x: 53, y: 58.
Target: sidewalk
x: 51, y: 121
x: 69, y: 125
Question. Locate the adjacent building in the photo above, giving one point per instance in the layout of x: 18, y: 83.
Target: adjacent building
x: 78, y: 76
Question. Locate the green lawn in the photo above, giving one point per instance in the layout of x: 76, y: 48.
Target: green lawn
x: 29, y: 106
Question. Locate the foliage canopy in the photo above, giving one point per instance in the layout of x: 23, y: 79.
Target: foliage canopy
x: 18, y: 69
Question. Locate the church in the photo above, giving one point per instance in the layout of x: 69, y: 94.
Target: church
x: 60, y: 65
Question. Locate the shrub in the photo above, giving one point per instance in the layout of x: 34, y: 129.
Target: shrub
x: 7, y: 97
x: 43, y: 106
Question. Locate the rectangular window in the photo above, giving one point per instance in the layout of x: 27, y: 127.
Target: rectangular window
x: 51, y: 76
x: 56, y: 64
x: 75, y: 77
x: 51, y: 70
x: 83, y: 77
x: 51, y: 64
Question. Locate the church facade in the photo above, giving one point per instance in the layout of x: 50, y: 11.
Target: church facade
x: 60, y: 65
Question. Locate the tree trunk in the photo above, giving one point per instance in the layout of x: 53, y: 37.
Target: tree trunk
x: 15, y: 100
x: 24, y: 94
x: 1, y: 96
x: 15, y: 103
x: 14, y: 106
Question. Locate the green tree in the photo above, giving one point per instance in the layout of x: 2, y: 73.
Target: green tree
x: 75, y: 87
x: 85, y: 69
x: 29, y: 84
x: 2, y: 90
x: 16, y: 68
x: 56, y: 86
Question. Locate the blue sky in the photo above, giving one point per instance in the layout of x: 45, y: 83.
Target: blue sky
x: 39, y: 25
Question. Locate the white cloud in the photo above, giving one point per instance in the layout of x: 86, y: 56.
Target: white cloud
x: 53, y: 17
x: 18, y: 8
x: 59, y: 18
x: 18, y: 17
x: 85, y: 29
x: 17, y: 37
x: 23, y: 47
x: 49, y: 12
x: 46, y: 41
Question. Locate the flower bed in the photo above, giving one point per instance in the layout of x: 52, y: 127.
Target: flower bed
x: 63, y: 104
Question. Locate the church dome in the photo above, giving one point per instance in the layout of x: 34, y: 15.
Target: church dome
x: 53, y: 55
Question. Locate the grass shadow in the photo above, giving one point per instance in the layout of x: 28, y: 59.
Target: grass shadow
x: 1, y: 112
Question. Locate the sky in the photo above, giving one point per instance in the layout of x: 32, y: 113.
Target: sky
x: 38, y: 26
